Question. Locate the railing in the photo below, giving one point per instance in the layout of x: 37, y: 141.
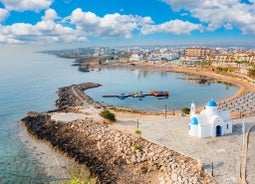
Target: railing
x: 243, y: 165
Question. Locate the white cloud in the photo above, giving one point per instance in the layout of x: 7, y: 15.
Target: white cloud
x: 50, y: 14
x: 228, y: 26
x: 3, y: 14
x: 217, y: 13
x: 23, y: 5
x: 80, y: 25
x: 177, y: 27
x: 47, y: 30
x: 111, y: 25
x: 75, y: 27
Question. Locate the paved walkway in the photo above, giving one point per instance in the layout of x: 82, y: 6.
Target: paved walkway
x: 224, y: 152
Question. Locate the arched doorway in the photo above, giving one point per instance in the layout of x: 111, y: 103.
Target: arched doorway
x: 218, y: 130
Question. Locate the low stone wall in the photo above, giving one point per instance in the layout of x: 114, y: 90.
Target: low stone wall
x: 110, y: 154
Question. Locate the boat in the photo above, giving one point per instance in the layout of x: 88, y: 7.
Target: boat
x: 159, y: 93
x: 122, y: 96
x: 138, y: 94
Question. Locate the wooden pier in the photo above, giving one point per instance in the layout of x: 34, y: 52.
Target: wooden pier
x: 139, y: 94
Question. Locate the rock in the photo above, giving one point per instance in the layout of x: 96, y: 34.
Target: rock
x: 174, y: 177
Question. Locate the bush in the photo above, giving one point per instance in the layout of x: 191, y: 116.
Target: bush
x: 138, y: 132
x: 186, y: 110
x: 136, y: 147
x: 80, y: 181
x: 225, y: 69
x: 77, y: 177
x: 108, y: 115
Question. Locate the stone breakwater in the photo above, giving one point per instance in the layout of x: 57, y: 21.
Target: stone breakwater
x: 68, y: 97
x: 110, y: 154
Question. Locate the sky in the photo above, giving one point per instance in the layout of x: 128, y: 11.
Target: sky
x: 70, y: 23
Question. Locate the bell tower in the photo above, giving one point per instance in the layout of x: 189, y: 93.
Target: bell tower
x: 192, y: 109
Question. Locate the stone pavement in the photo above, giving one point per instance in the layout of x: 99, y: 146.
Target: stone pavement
x: 224, y: 152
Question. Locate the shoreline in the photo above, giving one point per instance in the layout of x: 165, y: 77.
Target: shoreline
x: 232, y: 78
x: 243, y: 89
x: 59, y: 167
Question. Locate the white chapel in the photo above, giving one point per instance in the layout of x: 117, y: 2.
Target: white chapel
x: 210, y: 122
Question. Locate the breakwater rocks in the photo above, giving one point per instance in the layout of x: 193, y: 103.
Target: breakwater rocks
x: 74, y: 96
x: 114, y: 156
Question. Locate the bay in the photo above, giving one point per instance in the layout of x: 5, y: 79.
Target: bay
x: 29, y: 82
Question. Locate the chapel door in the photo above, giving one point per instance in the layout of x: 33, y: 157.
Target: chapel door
x: 218, y: 130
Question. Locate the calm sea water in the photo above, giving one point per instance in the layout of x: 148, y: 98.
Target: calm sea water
x: 183, y: 89
x: 29, y: 82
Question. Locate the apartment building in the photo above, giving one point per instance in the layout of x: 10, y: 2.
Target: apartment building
x: 196, y: 53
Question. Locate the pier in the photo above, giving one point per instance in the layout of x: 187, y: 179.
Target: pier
x: 139, y: 94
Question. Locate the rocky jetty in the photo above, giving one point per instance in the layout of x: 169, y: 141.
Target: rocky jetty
x: 74, y: 96
x: 111, y: 155
x: 114, y: 156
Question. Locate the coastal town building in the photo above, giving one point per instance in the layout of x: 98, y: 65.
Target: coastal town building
x: 209, y: 122
x: 154, y: 55
x: 232, y: 58
x: 136, y: 57
x: 196, y: 54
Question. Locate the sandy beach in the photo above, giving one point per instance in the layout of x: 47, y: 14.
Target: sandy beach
x: 245, y: 83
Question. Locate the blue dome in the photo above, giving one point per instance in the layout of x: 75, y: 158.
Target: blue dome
x: 194, y: 121
x: 211, y: 103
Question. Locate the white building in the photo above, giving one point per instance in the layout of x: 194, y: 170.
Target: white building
x: 136, y: 57
x: 210, y: 122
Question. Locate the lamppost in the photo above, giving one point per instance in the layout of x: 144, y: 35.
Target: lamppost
x: 137, y: 124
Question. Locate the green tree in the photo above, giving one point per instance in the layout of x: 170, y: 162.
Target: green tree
x: 186, y: 110
x: 251, y: 71
x: 108, y: 115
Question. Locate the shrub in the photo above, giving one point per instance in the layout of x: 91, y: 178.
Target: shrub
x: 136, y: 147
x: 186, y: 110
x: 225, y: 69
x: 77, y: 177
x: 138, y: 132
x: 76, y: 180
x: 219, y: 69
x: 108, y: 115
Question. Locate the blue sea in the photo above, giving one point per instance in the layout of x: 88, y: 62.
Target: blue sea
x: 29, y: 82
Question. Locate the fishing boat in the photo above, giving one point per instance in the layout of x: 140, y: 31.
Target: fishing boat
x: 138, y: 94
x: 159, y: 93
x: 122, y: 96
